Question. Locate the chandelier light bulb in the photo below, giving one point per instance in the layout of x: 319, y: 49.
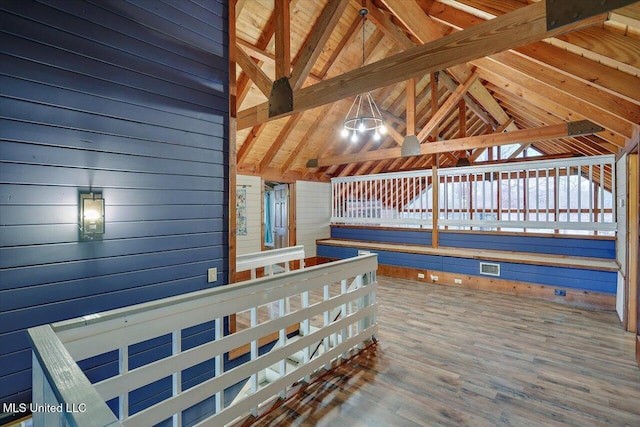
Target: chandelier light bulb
x: 376, y: 136
x: 354, y: 137
x: 344, y: 133
x: 382, y: 130
x: 361, y: 126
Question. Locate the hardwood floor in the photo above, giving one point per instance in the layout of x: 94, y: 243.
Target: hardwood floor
x: 454, y: 356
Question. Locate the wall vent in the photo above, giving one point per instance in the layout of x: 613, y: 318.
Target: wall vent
x: 489, y: 269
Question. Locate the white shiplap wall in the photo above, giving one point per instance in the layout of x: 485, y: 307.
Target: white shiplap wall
x: 313, y: 213
x: 251, y: 242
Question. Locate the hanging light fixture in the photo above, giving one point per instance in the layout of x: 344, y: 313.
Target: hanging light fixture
x: 364, y: 115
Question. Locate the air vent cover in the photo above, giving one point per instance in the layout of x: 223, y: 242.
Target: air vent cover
x: 489, y: 269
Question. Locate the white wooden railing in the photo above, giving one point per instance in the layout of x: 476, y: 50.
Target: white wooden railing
x: 546, y: 195
x: 270, y: 259
x: 320, y: 290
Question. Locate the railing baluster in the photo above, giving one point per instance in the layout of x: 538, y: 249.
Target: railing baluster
x: 176, y: 378
x: 123, y: 368
x: 219, y: 363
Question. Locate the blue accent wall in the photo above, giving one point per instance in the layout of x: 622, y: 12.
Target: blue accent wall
x: 554, y: 245
x: 565, y: 277
x: 130, y: 99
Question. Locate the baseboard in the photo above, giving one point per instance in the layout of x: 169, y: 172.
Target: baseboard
x: 573, y: 297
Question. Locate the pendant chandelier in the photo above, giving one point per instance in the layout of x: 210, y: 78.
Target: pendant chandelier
x: 364, y: 115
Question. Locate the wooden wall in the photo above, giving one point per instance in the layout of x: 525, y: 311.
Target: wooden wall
x: 127, y: 98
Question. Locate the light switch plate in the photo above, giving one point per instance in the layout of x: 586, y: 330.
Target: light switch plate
x: 212, y: 275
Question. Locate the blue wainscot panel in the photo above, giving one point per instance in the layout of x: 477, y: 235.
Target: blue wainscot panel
x: 588, y: 280
x: 406, y: 236
x: 596, y: 248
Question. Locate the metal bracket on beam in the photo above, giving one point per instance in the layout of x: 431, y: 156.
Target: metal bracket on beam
x: 281, y: 99
x: 563, y: 12
x: 312, y: 163
x: 410, y: 146
x: 582, y: 127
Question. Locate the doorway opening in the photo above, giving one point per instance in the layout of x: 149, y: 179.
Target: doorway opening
x: 275, y: 221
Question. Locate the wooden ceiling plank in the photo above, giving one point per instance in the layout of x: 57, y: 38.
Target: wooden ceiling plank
x: 253, y: 70
x: 348, y: 37
x: 572, y: 107
x: 283, y: 38
x: 411, y: 15
x: 599, y: 75
x: 279, y: 141
x: 315, y: 42
x: 391, y: 30
x: 249, y: 143
x: 470, y: 142
x: 446, y: 108
x: 302, y: 143
x: 571, y: 86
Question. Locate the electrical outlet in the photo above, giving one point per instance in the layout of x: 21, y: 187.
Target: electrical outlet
x: 457, y: 281
x: 560, y: 292
x: 434, y: 278
x: 212, y: 275
x: 420, y: 275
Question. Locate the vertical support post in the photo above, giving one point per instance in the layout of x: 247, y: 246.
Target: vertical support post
x: 327, y: 321
x: 435, y: 185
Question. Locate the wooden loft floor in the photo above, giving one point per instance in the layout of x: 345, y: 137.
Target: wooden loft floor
x: 453, y: 356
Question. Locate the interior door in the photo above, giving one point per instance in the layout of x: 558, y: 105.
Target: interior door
x: 281, y: 216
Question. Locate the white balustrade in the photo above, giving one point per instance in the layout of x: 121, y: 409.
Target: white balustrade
x: 571, y: 195
x: 322, y: 290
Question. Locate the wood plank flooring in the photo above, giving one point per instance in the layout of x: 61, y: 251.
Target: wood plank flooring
x: 456, y: 357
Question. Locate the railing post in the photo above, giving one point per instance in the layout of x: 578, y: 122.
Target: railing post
x: 218, y: 364
x: 123, y: 368
x: 176, y: 378
x: 435, y: 185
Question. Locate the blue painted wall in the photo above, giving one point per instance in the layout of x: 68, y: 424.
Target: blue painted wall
x: 556, y: 245
x: 127, y: 98
x: 588, y: 280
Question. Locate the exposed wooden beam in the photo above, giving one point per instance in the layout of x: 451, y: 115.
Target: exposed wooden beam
x: 279, y: 141
x: 425, y: 29
x: 316, y: 41
x: 470, y: 142
x: 250, y: 141
x: 337, y: 51
x: 522, y: 26
x: 446, y: 108
x: 253, y: 70
x: 471, y: 103
x: 283, y: 38
x: 384, y: 24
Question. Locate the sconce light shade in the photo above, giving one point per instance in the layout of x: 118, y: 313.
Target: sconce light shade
x: 91, y: 215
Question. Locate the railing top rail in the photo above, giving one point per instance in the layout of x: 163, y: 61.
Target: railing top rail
x: 150, y: 310
x: 69, y: 384
x: 531, y: 165
x: 264, y: 258
x: 505, y: 167
x: 419, y: 173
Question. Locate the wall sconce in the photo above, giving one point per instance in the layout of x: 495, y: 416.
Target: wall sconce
x: 91, y: 215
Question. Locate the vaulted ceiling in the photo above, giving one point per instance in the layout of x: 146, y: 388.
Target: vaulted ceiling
x: 461, y: 75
